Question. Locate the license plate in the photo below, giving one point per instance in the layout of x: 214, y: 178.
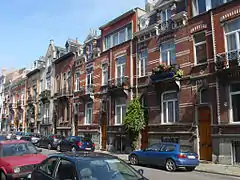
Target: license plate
x: 29, y: 176
x: 88, y: 148
x: 191, y: 157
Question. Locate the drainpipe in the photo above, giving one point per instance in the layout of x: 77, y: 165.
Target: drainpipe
x: 137, y: 68
x: 131, y: 70
x: 215, y: 60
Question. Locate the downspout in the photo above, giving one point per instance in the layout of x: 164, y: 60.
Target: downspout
x: 215, y: 60
x: 131, y: 70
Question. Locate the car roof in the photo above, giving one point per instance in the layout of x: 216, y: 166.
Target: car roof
x: 83, y: 155
x: 13, y: 142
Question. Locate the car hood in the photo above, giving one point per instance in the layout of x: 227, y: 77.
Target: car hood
x: 23, y: 160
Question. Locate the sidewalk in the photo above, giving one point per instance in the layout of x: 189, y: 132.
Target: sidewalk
x: 203, y: 167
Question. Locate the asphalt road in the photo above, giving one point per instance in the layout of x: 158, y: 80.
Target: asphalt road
x: 156, y: 173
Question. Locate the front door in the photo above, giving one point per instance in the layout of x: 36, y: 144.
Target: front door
x: 205, y: 144
x: 104, y: 131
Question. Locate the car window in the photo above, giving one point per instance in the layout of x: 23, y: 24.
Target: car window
x: 66, y: 171
x: 168, y: 148
x: 48, y: 166
x: 73, y: 139
x: 154, y: 147
x: 186, y: 149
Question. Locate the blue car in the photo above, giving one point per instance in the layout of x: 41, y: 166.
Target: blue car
x: 169, y: 155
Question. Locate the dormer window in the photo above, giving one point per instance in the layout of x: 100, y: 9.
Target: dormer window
x: 165, y: 15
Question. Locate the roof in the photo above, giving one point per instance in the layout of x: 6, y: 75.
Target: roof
x: 83, y: 155
x: 64, y: 57
x: 119, y: 18
x: 13, y: 142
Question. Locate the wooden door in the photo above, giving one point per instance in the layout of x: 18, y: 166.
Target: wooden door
x: 104, y: 131
x: 205, y: 144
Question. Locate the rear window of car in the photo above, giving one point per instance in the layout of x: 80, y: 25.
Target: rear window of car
x: 186, y: 149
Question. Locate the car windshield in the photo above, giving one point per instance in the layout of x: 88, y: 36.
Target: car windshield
x: 186, y: 149
x: 107, y: 169
x: 17, y: 149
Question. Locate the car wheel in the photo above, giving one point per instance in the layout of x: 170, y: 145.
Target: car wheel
x: 49, y: 146
x: 190, y: 168
x: 170, y: 165
x: 134, y: 159
x: 73, y: 149
x: 58, y: 148
x: 3, y: 176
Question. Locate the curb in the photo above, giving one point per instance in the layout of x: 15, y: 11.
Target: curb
x: 217, y: 173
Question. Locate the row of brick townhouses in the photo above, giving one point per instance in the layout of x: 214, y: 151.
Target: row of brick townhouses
x: 84, y: 89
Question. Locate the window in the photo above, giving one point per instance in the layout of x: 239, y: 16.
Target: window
x: 89, y: 112
x: 154, y: 147
x: 77, y: 82
x: 48, y: 166
x: 143, y: 63
x: 169, y: 107
x: 48, y: 83
x: 200, y: 48
x: 198, y: 7
x: 89, y: 82
x: 235, y: 103
x: 46, y: 114
x: 104, y: 74
x: 168, y: 53
x: 216, y: 3
x: 168, y: 148
x: 165, y: 15
x: 204, y: 96
x: 120, y: 73
x: 66, y: 170
x: 232, y: 33
x: 120, y: 112
x: 118, y: 37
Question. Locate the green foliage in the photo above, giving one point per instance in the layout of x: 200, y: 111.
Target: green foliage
x: 134, y: 120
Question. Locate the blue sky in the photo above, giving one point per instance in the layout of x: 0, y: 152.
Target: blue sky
x: 26, y: 26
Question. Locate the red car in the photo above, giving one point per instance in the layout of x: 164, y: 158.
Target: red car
x: 18, y: 159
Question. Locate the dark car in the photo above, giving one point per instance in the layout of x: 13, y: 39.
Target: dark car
x: 76, y: 143
x: 169, y: 155
x: 26, y: 138
x: 85, y: 165
x: 50, y: 141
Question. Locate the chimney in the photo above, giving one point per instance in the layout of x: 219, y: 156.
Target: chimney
x: 51, y: 41
x: 149, y: 4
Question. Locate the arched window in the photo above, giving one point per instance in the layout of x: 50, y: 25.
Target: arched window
x: 170, y: 109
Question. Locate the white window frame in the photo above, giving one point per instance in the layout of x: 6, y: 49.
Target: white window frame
x: 104, y: 70
x: 120, y: 65
x: 208, y: 7
x: 77, y: 84
x: 198, y: 44
x: 144, y: 60
x: 121, y: 114
x: 174, y: 108
x: 86, y: 120
x: 224, y: 1
x: 168, y: 52
x: 230, y: 105
x: 91, y: 78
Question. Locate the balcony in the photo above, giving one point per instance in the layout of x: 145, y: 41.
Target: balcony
x: 118, y: 85
x: 45, y: 95
x: 166, y: 26
x: 63, y: 93
x: 228, y: 60
x: 165, y: 72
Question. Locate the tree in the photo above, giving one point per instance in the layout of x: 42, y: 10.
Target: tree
x: 134, y: 121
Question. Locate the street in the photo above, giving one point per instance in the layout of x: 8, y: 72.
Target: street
x: 156, y: 174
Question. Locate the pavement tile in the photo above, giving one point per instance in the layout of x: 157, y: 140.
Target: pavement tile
x: 203, y: 167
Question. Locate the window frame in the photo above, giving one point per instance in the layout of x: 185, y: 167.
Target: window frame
x: 199, y: 44
x: 44, y: 164
x: 122, y: 66
x: 86, y: 120
x: 144, y: 60
x: 196, y: 2
x: 121, y: 113
x: 58, y: 164
x: 168, y: 51
x: 231, y: 118
x: 174, y: 107
x: 104, y: 70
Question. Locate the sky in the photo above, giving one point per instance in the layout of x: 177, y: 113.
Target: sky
x: 26, y: 26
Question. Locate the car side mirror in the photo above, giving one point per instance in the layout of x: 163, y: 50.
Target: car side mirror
x: 140, y: 171
x: 39, y: 150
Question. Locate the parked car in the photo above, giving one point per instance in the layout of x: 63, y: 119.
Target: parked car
x: 19, y: 135
x: 85, y: 165
x: 50, y: 141
x: 26, y: 138
x: 2, y: 138
x: 76, y: 143
x: 18, y: 159
x: 169, y: 155
x: 35, y: 138
x: 11, y: 136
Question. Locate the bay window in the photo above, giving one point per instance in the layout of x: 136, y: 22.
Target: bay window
x: 232, y: 33
x: 89, y: 112
x: 234, y: 103
x: 105, y: 74
x: 118, y: 37
x: 120, y: 73
x: 120, y: 111
x: 169, y: 107
x: 143, y: 62
x: 200, y: 48
x: 168, y: 53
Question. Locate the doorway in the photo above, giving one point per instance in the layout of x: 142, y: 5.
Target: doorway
x: 104, y: 131
x: 204, y: 126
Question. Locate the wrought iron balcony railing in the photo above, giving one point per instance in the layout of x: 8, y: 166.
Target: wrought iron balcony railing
x: 229, y: 59
x: 119, y: 82
x: 90, y: 89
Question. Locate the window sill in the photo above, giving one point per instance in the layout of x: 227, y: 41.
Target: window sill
x: 234, y: 123
x: 200, y: 64
x: 145, y: 76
